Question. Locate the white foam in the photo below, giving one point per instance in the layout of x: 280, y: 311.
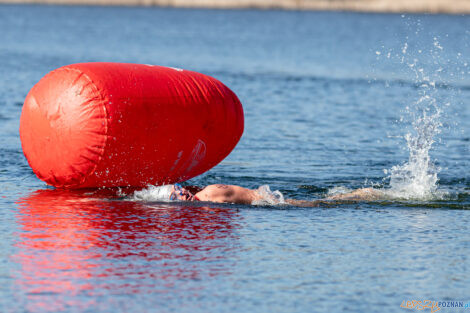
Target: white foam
x: 338, y: 191
x: 152, y: 193
x: 269, y: 197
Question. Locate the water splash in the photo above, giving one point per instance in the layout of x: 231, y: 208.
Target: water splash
x: 152, y: 193
x: 418, y: 177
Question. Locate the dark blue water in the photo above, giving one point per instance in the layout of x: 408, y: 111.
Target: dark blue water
x: 328, y: 99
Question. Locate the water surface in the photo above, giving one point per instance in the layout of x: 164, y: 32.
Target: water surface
x: 325, y: 98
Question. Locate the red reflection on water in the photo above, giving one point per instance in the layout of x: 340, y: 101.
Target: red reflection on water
x: 75, y: 243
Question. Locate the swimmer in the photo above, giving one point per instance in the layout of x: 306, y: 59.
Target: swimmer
x: 220, y: 193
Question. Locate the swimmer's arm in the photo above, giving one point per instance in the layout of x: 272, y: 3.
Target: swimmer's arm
x: 364, y: 194
x: 305, y: 203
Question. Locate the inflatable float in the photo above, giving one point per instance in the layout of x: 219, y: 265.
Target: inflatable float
x: 115, y: 124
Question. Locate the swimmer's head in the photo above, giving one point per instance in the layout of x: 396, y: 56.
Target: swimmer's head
x: 181, y: 194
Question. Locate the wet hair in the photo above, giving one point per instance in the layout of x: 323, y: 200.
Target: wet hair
x: 193, y: 189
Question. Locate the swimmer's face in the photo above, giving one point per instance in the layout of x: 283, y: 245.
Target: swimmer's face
x: 182, y: 194
x: 187, y: 196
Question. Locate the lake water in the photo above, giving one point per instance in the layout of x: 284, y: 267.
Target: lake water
x: 332, y: 101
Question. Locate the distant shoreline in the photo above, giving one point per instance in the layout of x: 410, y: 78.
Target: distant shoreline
x: 383, y: 6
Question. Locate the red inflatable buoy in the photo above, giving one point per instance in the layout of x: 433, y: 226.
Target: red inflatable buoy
x: 115, y: 124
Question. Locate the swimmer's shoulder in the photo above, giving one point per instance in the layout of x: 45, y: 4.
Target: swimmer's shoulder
x: 226, y: 193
